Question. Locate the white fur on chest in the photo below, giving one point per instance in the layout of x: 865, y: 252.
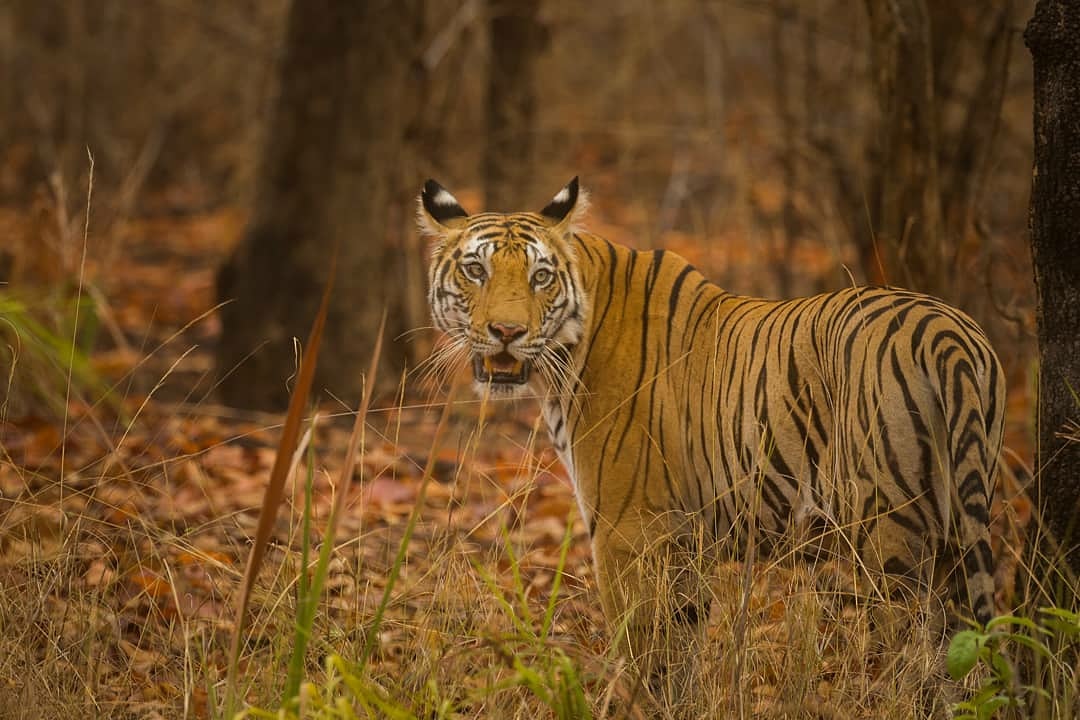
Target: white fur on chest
x: 559, y: 434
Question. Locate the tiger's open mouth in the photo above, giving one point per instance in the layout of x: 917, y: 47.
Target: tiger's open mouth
x: 500, y: 369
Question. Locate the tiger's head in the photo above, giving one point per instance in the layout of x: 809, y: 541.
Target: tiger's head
x: 506, y: 289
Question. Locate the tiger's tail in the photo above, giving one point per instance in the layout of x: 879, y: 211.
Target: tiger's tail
x: 973, y: 411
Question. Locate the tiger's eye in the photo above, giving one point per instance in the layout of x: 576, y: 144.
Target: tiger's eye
x: 476, y: 271
x: 541, y: 277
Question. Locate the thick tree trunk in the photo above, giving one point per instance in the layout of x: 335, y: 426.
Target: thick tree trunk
x: 330, y: 174
x: 1053, y: 36
x: 517, y: 39
x: 906, y: 204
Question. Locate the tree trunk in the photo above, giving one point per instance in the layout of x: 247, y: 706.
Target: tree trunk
x: 517, y: 39
x: 330, y: 174
x: 906, y: 204
x: 1053, y: 36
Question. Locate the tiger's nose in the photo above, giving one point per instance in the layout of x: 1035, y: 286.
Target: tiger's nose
x: 508, y: 333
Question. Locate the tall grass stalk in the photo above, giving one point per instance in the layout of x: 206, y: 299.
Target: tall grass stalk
x: 308, y: 592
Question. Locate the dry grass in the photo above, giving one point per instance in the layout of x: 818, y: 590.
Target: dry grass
x: 96, y: 598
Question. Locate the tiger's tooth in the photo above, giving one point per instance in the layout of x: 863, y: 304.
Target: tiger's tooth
x: 487, y: 364
x: 518, y: 366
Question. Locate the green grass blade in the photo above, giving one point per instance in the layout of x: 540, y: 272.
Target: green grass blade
x: 523, y: 628
x: 556, y: 584
x: 308, y: 594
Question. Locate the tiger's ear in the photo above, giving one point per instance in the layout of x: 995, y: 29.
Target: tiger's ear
x: 438, y: 211
x: 568, y: 206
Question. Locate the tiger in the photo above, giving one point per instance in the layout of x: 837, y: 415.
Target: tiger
x: 682, y: 412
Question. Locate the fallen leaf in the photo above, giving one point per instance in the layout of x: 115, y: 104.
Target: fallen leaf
x: 141, y: 659
x: 150, y: 583
x: 384, y: 492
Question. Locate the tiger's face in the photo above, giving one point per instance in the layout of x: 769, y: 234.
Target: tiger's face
x: 505, y: 289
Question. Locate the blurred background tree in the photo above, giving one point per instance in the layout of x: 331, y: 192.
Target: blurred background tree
x: 517, y: 38
x: 333, y: 169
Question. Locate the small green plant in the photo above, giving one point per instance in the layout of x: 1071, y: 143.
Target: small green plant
x: 345, y: 693
x: 538, y: 666
x: 1001, y: 687
x: 42, y: 350
x: 553, y: 678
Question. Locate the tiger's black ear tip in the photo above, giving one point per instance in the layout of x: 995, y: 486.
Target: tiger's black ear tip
x: 563, y: 202
x: 439, y: 203
x: 427, y: 195
x: 572, y: 189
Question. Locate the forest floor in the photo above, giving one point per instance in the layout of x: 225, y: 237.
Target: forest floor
x: 126, y: 518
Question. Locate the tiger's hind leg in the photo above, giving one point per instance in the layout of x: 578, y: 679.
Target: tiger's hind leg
x: 902, y: 571
x: 973, y: 574
x: 907, y: 613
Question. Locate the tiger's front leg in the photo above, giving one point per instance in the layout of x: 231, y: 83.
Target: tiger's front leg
x: 656, y: 604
